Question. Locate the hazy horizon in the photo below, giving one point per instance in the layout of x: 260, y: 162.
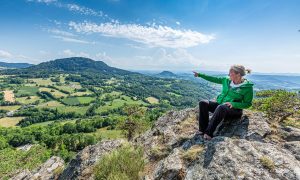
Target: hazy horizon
x: 180, y: 71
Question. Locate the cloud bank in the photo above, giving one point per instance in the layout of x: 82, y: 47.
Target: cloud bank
x: 154, y: 36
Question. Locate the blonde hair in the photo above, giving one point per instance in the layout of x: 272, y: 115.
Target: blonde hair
x: 240, y: 69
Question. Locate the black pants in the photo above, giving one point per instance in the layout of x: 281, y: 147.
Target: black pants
x: 220, y: 112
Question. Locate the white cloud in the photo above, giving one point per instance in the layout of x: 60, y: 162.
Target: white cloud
x: 154, y: 36
x: 102, y: 56
x: 60, y: 32
x: 82, y: 10
x: 42, y: 52
x: 177, y: 22
x: 175, y: 58
x: 69, y: 53
x: 57, y: 22
x: 67, y: 36
x: 43, y: 1
x: 5, y: 54
x: 70, y: 39
x: 162, y: 59
x: 71, y: 7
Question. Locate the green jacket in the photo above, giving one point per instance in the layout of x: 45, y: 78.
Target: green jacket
x: 240, y: 97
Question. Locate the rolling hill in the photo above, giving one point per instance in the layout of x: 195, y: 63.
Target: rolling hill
x: 5, y: 65
x: 68, y: 65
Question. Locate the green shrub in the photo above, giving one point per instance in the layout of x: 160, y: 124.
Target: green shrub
x: 277, y: 104
x: 123, y: 163
x: 13, y: 160
x: 134, y: 124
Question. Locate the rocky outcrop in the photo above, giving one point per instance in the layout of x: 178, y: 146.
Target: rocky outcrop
x: 49, y: 170
x: 240, y: 149
x: 82, y: 166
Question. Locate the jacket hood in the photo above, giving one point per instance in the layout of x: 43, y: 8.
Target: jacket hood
x: 247, y: 84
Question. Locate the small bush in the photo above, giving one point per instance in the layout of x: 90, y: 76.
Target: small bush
x: 267, y: 163
x: 123, y: 163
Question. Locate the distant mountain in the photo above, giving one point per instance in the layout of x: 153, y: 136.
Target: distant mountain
x: 167, y: 74
x: 275, y: 82
x: 69, y: 65
x: 5, y: 65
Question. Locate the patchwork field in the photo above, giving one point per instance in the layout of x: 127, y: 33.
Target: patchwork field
x: 76, y: 109
x: 27, y: 91
x: 54, y: 92
x: 50, y: 104
x: 82, y: 93
x: 117, y: 103
x: 10, y: 108
x: 73, y: 101
x: 103, y: 133
x: 28, y: 99
x: 10, y: 121
x: 41, y: 81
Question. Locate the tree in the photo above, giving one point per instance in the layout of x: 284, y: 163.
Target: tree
x: 134, y: 123
x: 69, y: 128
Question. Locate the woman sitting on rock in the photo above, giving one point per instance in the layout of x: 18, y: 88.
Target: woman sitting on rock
x: 236, y: 95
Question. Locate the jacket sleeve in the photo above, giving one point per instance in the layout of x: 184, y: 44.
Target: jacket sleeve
x: 213, y: 79
x: 247, y: 101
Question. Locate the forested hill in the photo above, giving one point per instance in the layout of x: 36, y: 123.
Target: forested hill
x: 6, y: 65
x: 68, y: 65
x: 100, y: 78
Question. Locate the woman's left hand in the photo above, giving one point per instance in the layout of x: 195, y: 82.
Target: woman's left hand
x: 228, y: 104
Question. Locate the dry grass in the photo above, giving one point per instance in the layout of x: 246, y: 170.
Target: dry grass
x: 267, y: 162
x: 41, y: 81
x: 10, y: 108
x: 158, y: 153
x: 50, y: 104
x: 81, y: 93
x: 54, y: 92
x: 25, y: 100
x: 292, y: 121
x: 192, y: 153
x: 152, y: 100
x: 10, y: 121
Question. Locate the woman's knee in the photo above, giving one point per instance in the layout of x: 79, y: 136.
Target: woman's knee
x: 222, y: 107
x: 203, y: 103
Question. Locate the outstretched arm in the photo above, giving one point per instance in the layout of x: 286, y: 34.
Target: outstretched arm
x: 213, y: 79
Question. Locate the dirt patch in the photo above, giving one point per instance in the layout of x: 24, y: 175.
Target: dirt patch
x: 9, y: 96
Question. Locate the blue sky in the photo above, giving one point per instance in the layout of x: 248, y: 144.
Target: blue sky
x: 172, y: 35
